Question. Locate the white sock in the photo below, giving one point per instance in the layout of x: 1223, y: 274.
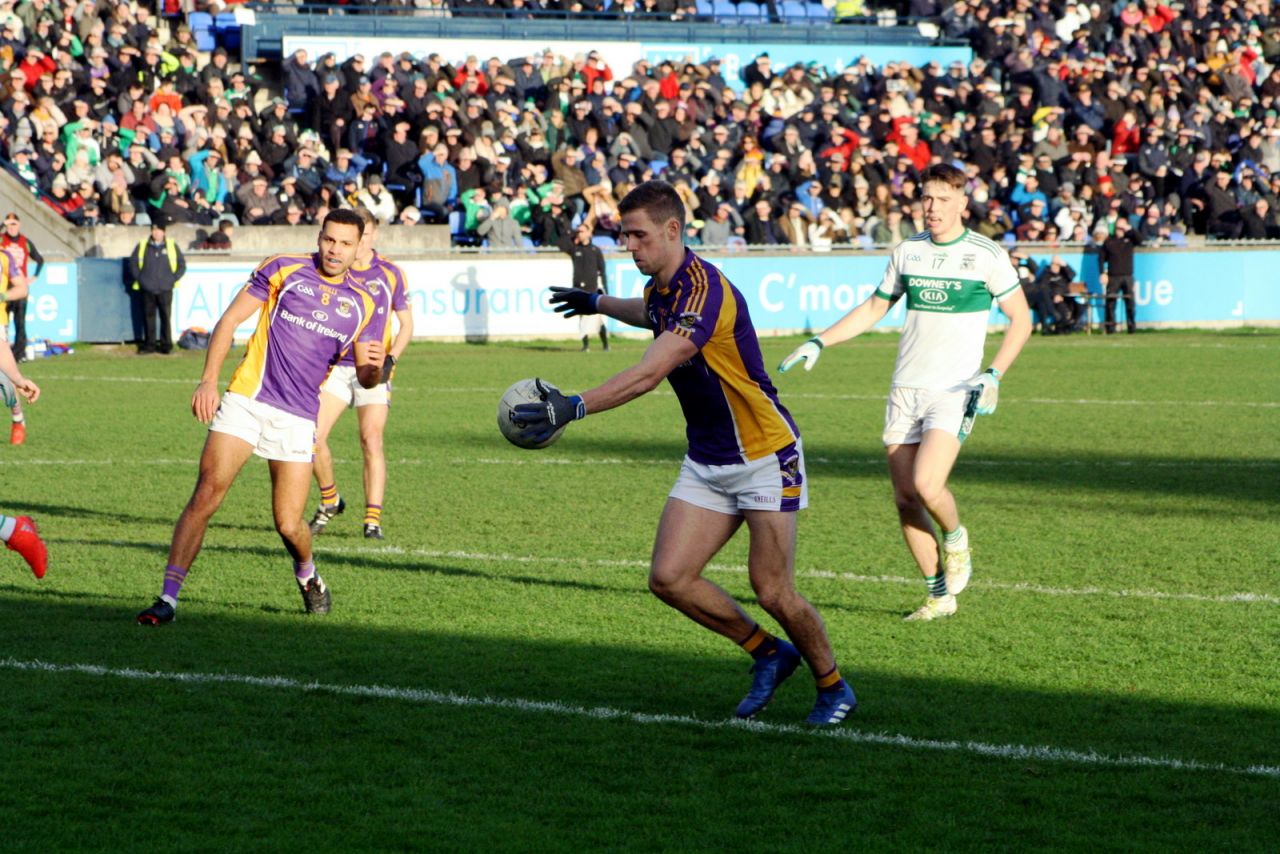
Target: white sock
x: 7, y: 527
x: 957, y: 540
x: 173, y: 603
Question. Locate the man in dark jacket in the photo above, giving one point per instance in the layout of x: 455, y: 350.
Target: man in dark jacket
x: 1115, y: 266
x: 588, y: 275
x: 154, y: 269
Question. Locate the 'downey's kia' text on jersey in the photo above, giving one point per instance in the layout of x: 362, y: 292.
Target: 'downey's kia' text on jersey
x: 949, y: 288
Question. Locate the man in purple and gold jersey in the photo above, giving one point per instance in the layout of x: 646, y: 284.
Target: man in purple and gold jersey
x: 745, y: 460
x: 341, y: 390
x: 311, y: 314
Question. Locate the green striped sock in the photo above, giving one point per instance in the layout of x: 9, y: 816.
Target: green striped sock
x: 937, y: 585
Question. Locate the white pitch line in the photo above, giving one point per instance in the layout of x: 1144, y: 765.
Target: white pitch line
x: 1048, y: 401
x: 525, y: 460
x: 671, y: 462
x: 1018, y: 752
x: 1017, y: 587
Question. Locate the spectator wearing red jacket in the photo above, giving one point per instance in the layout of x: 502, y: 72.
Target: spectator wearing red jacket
x: 910, y: 145
x: 36, y: 64
x: 1126, y: 136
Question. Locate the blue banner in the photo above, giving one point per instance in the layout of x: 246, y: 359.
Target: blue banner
x: 53, y: 304
x: 794, y: 293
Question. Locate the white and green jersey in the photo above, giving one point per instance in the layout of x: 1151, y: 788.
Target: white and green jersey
x: 949, y: 288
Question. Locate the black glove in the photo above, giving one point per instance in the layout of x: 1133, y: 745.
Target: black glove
x: 388, y: 368
x: 555, y: 410
x: 572, y: 302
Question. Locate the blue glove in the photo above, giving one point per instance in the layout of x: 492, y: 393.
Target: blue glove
x: 987, y: 384
x: 551, y: 414
x: 572, y: 302
x: 808, y: 352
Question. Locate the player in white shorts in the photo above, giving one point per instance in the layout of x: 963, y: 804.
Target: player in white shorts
x: 341, y: 391
x: 949, y: 276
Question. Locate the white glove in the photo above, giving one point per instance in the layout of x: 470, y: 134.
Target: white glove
x: 808, y: 352
x: 987, y: 384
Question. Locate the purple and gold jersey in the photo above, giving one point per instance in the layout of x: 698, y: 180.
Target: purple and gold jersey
x: 387, y: 283
x: 729, y: 403
x: 308, y: 322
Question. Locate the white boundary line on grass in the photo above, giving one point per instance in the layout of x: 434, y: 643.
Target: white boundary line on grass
x: 1019, y: 587
x: 878, y: 462
x: 1047, y: 401
x: 1018, y: 752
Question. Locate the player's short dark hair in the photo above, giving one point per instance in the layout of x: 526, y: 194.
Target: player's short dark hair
x: 342, y: 216
x: 944, y: 173
x: 656, y: 198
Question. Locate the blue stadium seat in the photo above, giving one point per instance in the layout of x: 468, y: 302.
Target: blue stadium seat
x: 456, y: 221
x: 707, y: 8
x: 794, y: 11
x: 227, y: 30
x: 201, y: 25
x: 750, y: 11
x: 818, y: 12
x: 725, y: 10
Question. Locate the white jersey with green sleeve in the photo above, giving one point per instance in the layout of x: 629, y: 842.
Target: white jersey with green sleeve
x: 949, y: 288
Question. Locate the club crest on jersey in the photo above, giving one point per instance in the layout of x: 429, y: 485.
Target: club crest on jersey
x: 967, y: 262
x: 688, y: 319
x: 344, y: 308
x: 375, y: 286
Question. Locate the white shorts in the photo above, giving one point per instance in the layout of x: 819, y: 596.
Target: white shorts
x: 776, y: 482
x: 590, y: 324
x: 273, y: 433
x: 911, y: 412
x: 342, y: 384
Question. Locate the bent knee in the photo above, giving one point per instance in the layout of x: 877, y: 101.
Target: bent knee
x: 928, y: 492
x: 667, y: 588
x: 290, y: 529
x: 776, y: 599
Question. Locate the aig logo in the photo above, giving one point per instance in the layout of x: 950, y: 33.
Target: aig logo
x: 933, y: 296
x: 320, y: 316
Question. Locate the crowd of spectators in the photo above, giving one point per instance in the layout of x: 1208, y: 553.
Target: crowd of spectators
x: 1069, y: 118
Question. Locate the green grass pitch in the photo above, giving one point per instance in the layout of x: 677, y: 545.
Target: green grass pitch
x: 495, y: 675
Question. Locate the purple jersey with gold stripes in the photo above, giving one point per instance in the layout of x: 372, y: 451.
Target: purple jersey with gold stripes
x: 387, y: 283
x: 731, y: 407
x: 308, y: 322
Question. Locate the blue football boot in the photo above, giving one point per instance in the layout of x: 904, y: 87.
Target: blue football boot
x: 770, y: 672
x: 833, y: 705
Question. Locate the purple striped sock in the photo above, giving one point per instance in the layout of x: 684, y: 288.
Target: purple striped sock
x: 173, y: 578
x: 303, y: 570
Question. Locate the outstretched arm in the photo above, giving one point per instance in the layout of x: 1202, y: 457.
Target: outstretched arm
x: 629, y: 311
x: 863, y: 316
x: 572, y: 302
x: 664, y: 355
